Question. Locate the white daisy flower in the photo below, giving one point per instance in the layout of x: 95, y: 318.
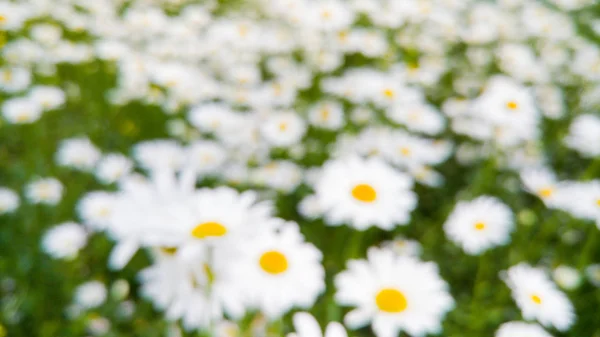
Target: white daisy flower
x: 159, y: 154
x: 310, y: 208
x: 47, y: 191
x: 521, y: 329
x: 14, y: 79
x: 64, y: 241
x: 364, y: 193
x: 21, y: 110
x: 78, y: 153
x: 543, y: 183
x: 584, y: 135
x: 328, y: 115
x: 207, y: 157
x: 219, y: 217
x: 307, y: 326
x: 283, y: 129
x: 281, y: 175
x: 480, y: 224
x: 567, y: 277
x: 48, y: 97
x: 404, y: 247
x: 95, y: 209
x: 112, y: 167
x: 280, y: 271
x: 9, y: 200
x: 539, y: 298
x: 394, y: 293
x: 91, y: 294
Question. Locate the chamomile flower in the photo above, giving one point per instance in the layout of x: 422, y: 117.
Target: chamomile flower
x: 207, y: 157
x: 584, y: 135
x: 364, y: 193
x: 91, y: 294
x: 112, y: 167
x: 219, y: 216
x: 327, y: 115
x: 48, y: 97
x: 567, y: 277
x: 9, y: 200
x: 95, y: 209
x: 542, y: 183
x: 307, y: 326
x: 21, y: 110
x: 283, y: 129
x: 64, y: 241
x: 280, y: 271
x: 159, y: 154
x: 521, y: 329
x: 14, y: 79
x: 480, y: 224
x: 539, y: 298
x: 47, y: 191
x: 389, y: 291
x: 78, y: 153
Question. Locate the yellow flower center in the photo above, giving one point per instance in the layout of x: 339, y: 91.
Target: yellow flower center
x: 364, y: 193
x: 512, y: 105
x: 480, y: 226
x: 209, y: 229
x: 2, y: 19
x: 283, y: 126
x: 391, y: 300
x: 536, y: 299
x: 389, y: 93
x: 325, y: 114
x: 326, y: 15
x: 598, y: 202
x: 546, y: 192
x: 405, y: 151
x: 273, y: 262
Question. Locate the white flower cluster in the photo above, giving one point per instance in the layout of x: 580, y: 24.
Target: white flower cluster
x: 342, y: 104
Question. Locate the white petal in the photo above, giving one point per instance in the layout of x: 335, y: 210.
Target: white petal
x: 122, y: 254
x: 306, y: 325
x: 335, y: 329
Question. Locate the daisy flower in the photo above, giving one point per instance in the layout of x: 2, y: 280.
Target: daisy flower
x: 21, y: 110
x: 64, y: 241
x: 283, y: 129
x: 279, y: 271
x: 112, y: 167
x: 307, y: 326
x: 394, y: 293
x: 48, y: 97
x: 78, y: 153
x: 480, y: 224
x: 521, y: 329
x: 584, y: 135
x: 539, y: 298
x: 218, y: 217
x: 47, y: 191
x: 95, y: 209
x: 364, y: 193
x: 9, y: 200
x: 90, y: 294
x: 159, y: 154
x: 327, y: 115
x: 542, y: 183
